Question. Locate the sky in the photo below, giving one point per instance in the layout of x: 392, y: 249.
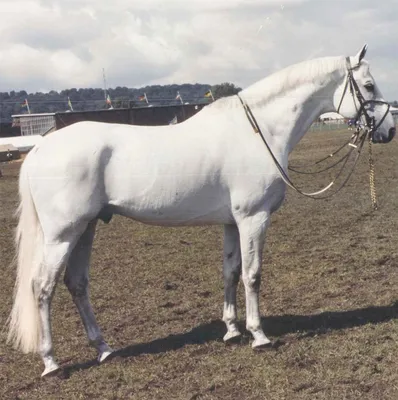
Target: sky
x: 59, y: 44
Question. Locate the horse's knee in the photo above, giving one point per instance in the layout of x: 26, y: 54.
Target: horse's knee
x: 232, y: 271
x: 232, y: 265
x: 234, y: 274
x: 252, y: 280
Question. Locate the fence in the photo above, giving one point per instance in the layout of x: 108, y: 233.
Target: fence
x: 34, y: 124
x: 334, y: 125
x: 338, y: 124
x: 40, y: 124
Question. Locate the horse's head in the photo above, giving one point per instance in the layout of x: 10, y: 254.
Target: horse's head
x: 359, y: 97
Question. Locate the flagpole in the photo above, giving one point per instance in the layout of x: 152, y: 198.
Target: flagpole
x: 27, y: 105
x: 70, y: 104
x: 103, y: 75
x: 146, y: 98
x: 182, y: 105
x: 211, y: 94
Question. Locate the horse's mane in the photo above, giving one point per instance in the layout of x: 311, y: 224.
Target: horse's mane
x: 289, y: 78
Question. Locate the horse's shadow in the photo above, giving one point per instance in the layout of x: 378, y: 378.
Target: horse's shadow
x: 277, y: 326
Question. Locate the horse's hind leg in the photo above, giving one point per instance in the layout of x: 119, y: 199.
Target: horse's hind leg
x: 232, y: 270
x: 54, y: 257
x: 76, y: 279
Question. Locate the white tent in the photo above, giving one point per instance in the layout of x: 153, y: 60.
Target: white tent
x: 394, y: 110
x: 22, y: 143
x: 331, y: 115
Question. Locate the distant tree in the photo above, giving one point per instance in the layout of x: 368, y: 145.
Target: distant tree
x: 85, y: 99
x: 224, y: 89
x: 4, y: 96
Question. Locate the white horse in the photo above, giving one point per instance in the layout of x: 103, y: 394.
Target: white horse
x: 211, y: 169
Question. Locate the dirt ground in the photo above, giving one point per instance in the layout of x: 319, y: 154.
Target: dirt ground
x: 328, y: 300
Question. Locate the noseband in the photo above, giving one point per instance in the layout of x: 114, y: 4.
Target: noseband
x: 356, y: 93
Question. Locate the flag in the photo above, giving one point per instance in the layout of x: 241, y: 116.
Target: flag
x: 26, y: 104
x: 70, y: 104
x: 209, y: 94
x: 143, y: 98
x: 108, y: 101
x: 178, y: 97
x: 173, y: 121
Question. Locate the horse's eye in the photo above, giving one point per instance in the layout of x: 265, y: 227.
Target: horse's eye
x: 369, y: 87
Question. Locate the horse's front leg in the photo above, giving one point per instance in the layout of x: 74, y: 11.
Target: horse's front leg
x: 232, y: 270
x: 252, y: 236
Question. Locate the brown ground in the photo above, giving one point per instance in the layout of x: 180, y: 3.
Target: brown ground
x: 328, y: 299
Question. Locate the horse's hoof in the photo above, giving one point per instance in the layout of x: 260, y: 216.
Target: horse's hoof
x: 51, y: 371
x: 105, y: 355
x: 232, y: 337
x: 261, y: 343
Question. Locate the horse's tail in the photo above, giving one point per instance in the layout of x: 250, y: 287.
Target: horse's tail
x: 24, y: 321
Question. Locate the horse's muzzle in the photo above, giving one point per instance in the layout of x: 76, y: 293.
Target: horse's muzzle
x: 377, y: 137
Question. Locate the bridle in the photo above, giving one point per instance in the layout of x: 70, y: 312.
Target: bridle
x: 356, y: 142
x: 370, y: 122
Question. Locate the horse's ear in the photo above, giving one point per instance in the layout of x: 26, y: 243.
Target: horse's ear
x: 360, y: 55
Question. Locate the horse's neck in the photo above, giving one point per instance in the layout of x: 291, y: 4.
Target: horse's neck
x: 285, y: 116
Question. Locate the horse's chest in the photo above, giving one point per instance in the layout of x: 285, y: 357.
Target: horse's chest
x: 275, y: 195
x: 277, y: 201
x: 264, y: 195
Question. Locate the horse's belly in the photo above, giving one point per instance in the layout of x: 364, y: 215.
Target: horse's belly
x: 171, y: 208
x: 170, y: 218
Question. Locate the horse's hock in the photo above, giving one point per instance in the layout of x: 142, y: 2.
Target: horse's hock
x: 9, y: 152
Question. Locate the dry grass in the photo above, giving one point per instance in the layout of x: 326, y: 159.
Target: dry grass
x: 328, y: 299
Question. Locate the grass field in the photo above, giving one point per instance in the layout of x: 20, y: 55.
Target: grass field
x: 328, y: 300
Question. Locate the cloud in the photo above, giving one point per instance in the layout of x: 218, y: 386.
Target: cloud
x: 60, y: 44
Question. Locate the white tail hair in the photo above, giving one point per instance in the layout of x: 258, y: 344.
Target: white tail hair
x: 24, y: 320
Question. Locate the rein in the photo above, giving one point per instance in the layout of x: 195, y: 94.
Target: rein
x: 356, y: 142
x: 283, y: 174
x: 350, y: 142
